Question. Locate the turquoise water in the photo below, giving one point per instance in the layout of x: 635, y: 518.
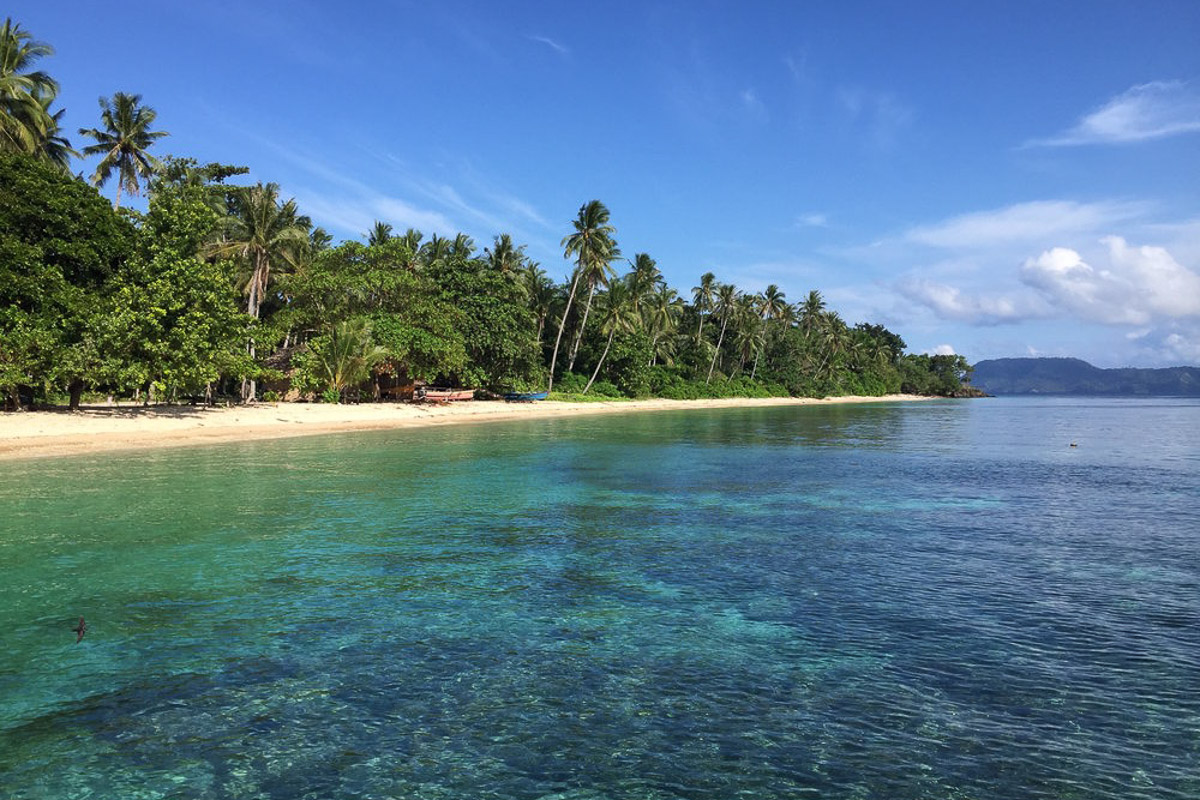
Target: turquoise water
x: 935, y: 600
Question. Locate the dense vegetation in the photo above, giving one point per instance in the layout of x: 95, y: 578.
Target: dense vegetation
x: 1073, y: 376
x: 230, y: 290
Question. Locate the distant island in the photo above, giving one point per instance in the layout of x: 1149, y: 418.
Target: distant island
x: 1077, y: 377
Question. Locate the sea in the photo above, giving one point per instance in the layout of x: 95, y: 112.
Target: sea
x: 992, y: 598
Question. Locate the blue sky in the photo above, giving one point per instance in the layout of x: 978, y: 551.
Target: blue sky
x: 1004, y: 179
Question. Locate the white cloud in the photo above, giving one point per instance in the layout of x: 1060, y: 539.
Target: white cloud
x: 1147, y: 111
x: 553, y: 45
x: 943, y: 350
x: 1024, y: 223
x: 753, y: 106
x: 950, y: 302
x: 813, y: 220
x: 1138, y: 286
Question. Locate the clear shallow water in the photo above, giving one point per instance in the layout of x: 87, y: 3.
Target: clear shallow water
x: 938, y: 600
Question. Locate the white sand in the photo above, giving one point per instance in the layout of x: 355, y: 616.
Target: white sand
x: 102, y: 428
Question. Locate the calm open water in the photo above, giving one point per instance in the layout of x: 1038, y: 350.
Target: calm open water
x: 936, y: 600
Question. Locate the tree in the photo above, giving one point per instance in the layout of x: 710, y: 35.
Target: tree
x: 26, y: 124
x: 726, y: 307
x: 644, y: 280
x: 662, y: 319
x: 344, y: 358
x: 811, y: 312
x: 504, y: 257
x: 380, y: 232
x: 702, y: 299
x: 541, y: 292
x: 591, y: 241
x: 262, y: 232
x: 618, y: 315
x: 60, y: 246
x: 596, y: 250
x: 123, y: 143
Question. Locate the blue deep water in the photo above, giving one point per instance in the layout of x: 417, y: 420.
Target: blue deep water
x: 925, y: 600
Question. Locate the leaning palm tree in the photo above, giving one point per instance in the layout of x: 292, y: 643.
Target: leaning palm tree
x: 264, y: 233
x: 592, y: 241
x: 702, y: 299
x: 726, y: 306
x: 617, y: 315
x: 123, y: 143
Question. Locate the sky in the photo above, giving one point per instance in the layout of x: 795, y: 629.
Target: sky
x: 991, y: 179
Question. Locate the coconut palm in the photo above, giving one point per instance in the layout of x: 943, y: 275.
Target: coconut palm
x: 644, y: 280
x: 123, y: 143
x: 347, y: 356
x: 617, y: 315
x: 380, y: 232
x: 725, y: 306
x: 702, y: 299
x: 25, y: 93
x: 463, y: 246
x: 811, y: 312
x: 541, y: 293
x: 772, y: 302
x: 662, y: 316
x: 263, y: 233
x: 435, y: 250
x: 592, y: 241
x: 504, y: 257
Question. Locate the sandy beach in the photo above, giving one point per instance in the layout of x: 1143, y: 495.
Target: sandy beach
x: 104, y: 428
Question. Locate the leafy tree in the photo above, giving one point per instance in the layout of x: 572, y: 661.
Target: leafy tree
x: 60, y: 246
x: 171, y: 321
x: 124, y: 142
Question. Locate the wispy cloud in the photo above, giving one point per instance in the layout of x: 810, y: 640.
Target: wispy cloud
x: 812, y: 220
x: 553, y: 45
x: 1148, y: 111
x: 883, y: 115
x: 753, y: 106
x: 980, y: 308
x: 1024, y: 223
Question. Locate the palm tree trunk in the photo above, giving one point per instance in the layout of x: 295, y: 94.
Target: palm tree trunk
x: 117, y: 202
x: 583, y: 324
x: 700, y: 330
x: 720, y: 341
x: 562, y: 324
x: 599, y: 363
x: 653, y: 349
x: 754, y: 371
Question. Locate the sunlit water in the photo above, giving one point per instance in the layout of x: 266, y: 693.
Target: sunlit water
x: 937, y: 600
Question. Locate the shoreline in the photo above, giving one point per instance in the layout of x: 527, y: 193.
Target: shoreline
x: 98, y: 429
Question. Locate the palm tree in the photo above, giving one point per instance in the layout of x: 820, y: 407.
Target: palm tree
x: 436, y: 249
x: 462, y: 245
x: 662, y: 319
x: 123, y: 143
x: 726, y: 306
x: 811, y: 311
x: 347, y: 358
x: 26, y: 124
x: 617, y: 316
x: 772, y: 302
x: 503, y: 257
x: 541, y: 292
x: 702, y: 299
x: 262, y: 232
x: 380, y: 232
x: 591, y: 241
x: 644, y: 280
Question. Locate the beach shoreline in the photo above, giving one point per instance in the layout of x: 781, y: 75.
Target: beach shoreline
x: 97, y: 429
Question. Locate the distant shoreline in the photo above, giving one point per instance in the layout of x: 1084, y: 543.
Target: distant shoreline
x: 96, y: 429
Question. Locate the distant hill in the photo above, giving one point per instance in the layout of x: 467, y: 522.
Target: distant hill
x: 1072, y: 376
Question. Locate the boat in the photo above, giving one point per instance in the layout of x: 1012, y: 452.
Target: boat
x: 435, y: 395
x: 525, y: 397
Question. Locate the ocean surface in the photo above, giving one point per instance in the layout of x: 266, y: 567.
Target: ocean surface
x: 927, y: 600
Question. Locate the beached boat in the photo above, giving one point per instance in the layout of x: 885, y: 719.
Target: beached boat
x: 449, y: 395
x: 525, y: 397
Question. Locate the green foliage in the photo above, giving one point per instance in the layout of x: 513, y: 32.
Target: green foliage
x: 60, y: 245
